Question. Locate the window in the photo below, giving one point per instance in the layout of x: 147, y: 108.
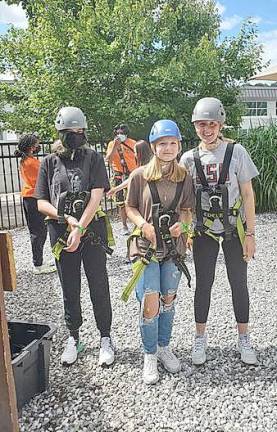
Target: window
x: 254, y: 109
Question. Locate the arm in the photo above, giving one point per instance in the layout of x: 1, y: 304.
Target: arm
x: 112, y: 148
x: 89, y: 212
x: 148, y: 230
x: 247, y: 195
x: 118, y: 188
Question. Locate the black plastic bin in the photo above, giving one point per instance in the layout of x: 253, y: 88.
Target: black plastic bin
x: 30, y: 350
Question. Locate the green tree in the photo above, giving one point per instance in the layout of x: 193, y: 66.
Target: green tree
x: 131, y: 60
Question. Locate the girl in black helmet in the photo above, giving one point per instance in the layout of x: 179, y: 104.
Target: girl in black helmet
x: 70, y: 186
x: 225, y: 213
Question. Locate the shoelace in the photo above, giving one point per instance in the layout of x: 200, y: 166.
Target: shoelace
x: 169, y: 354
x: 245, y: 342
x: 106, y: 343
x: 151, y: 364
x: 199, y: 344
x: 71, y: 343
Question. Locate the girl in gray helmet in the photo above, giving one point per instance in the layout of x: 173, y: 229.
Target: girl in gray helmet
x: 72, y: 178
x: 225, y: 213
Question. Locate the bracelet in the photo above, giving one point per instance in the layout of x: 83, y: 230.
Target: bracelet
x: 81, y: 229
x: 250, y: 234
x: 185, y: 228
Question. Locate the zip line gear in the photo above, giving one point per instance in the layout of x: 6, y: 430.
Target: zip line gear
x: 164, y: 128
x: 74, y: 204
x: 218, y: 200
x: 163, y: 219
x: 70, y: 118
x: 209, y: 109
x: 138, y: 268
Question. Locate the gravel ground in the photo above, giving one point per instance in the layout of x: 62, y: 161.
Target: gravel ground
x: 223, y: 395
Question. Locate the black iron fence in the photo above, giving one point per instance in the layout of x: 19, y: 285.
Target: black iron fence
x: 11, y: 205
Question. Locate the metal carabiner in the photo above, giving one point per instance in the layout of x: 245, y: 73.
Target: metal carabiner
x: 75, y: 203
x: 216, y: 198
x: 162, y: 217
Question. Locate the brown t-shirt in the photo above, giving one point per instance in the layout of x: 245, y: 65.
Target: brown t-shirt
x: 139, y: 196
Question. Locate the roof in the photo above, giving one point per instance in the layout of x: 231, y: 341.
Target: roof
x: 254, y: 93
x: 269, y: 74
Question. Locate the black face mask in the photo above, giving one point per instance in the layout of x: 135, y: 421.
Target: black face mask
x: 37, y: 149
x: 72, y: 140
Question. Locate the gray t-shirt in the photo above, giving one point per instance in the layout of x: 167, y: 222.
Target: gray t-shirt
x: 241, y: 170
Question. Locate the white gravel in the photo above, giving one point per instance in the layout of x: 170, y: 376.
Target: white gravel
x: 223, y: 395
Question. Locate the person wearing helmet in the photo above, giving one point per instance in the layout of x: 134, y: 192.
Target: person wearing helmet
x: 28, y: 147
x: 225, y: 214
x: 156, y: 289
x: 69, y: 189
x: 121, y: 157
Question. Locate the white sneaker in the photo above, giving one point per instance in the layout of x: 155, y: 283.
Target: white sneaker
x: 198, y: 355
x: 150, y: 369
x: 44, y: 268
x: 168, y: 359
x: 70, y: 354
x: 106, y: 353
x: 247, y: 353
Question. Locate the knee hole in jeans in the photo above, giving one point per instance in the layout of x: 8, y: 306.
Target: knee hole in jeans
x: 150, y: 305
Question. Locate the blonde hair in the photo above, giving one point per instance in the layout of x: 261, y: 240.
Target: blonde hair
x: 153, y: 171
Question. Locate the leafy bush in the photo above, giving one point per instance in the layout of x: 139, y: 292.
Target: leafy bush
x: 261, y: 143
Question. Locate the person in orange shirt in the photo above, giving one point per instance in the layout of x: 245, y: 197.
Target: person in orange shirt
x: 121, y: 157
x: 28, y: 145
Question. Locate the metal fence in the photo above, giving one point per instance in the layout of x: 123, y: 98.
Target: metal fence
x: 11, y: 204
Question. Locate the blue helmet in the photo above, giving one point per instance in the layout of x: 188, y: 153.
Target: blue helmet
x: 164, y: 128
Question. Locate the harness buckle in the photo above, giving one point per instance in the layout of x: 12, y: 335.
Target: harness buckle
x: 164, y: 220
x: 215, y: 202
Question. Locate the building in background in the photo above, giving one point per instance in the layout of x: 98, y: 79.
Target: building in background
x: 260, y: 106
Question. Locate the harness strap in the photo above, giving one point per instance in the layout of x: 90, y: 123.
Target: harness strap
x: 226, y: 163
x: 123, y: 161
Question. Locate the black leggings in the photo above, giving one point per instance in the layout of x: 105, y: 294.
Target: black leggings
x: 205, y: 252
x: 37, y: 228
x: 69, y: 271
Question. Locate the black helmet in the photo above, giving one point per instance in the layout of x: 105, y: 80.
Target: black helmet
x: 121, y: 126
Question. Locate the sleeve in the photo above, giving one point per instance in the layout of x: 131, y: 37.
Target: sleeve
x: 100, y: 177
x: 132, y: 198
x: 188, y: 200
x: 42, y: 186
x: 246, y: 169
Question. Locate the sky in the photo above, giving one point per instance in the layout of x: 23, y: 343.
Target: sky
x: 233, y: 12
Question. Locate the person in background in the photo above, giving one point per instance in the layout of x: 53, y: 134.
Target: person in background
x: 225, y: 214
x: 121, y: 157
x: 143, y: 154
x: 28, y: 147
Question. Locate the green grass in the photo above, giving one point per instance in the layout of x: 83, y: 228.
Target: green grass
x: 261, y: 143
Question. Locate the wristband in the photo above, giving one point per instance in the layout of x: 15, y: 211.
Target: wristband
x: 81, y: 229
x: 185, y: 228
x: 140, y: 226
x: 250, y: 234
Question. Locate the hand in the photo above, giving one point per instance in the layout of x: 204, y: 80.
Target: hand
x: 72, y: 221
x: 73, y: 240
x: 116, y: 142
x: 249, y: 248
x: 148, y: 232
x: 175, y: 230
x: 189, y: 243
x: 111, y: 192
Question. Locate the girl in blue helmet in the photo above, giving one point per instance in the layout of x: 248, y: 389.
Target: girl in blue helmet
x: 157, y: 287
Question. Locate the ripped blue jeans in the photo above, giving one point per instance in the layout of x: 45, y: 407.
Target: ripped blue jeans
x: 162, y: 278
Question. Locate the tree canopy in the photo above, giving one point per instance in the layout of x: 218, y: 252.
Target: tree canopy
x: 122, y: 60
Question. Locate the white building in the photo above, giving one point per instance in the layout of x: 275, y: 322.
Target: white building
x: 260, y: 105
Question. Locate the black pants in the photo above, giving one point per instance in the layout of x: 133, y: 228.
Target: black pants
x: 37, y: 228
x: 205, y: 252
x: 69, y: 271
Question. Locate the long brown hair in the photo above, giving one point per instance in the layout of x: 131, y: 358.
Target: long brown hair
x: 144, y: 152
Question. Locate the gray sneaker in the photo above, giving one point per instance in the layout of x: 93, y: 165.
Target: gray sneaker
x: 198, y: 354
x: 247, y: 354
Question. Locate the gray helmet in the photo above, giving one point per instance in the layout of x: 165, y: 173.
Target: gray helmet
x: 209, y: 108
x: 70, y: 118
